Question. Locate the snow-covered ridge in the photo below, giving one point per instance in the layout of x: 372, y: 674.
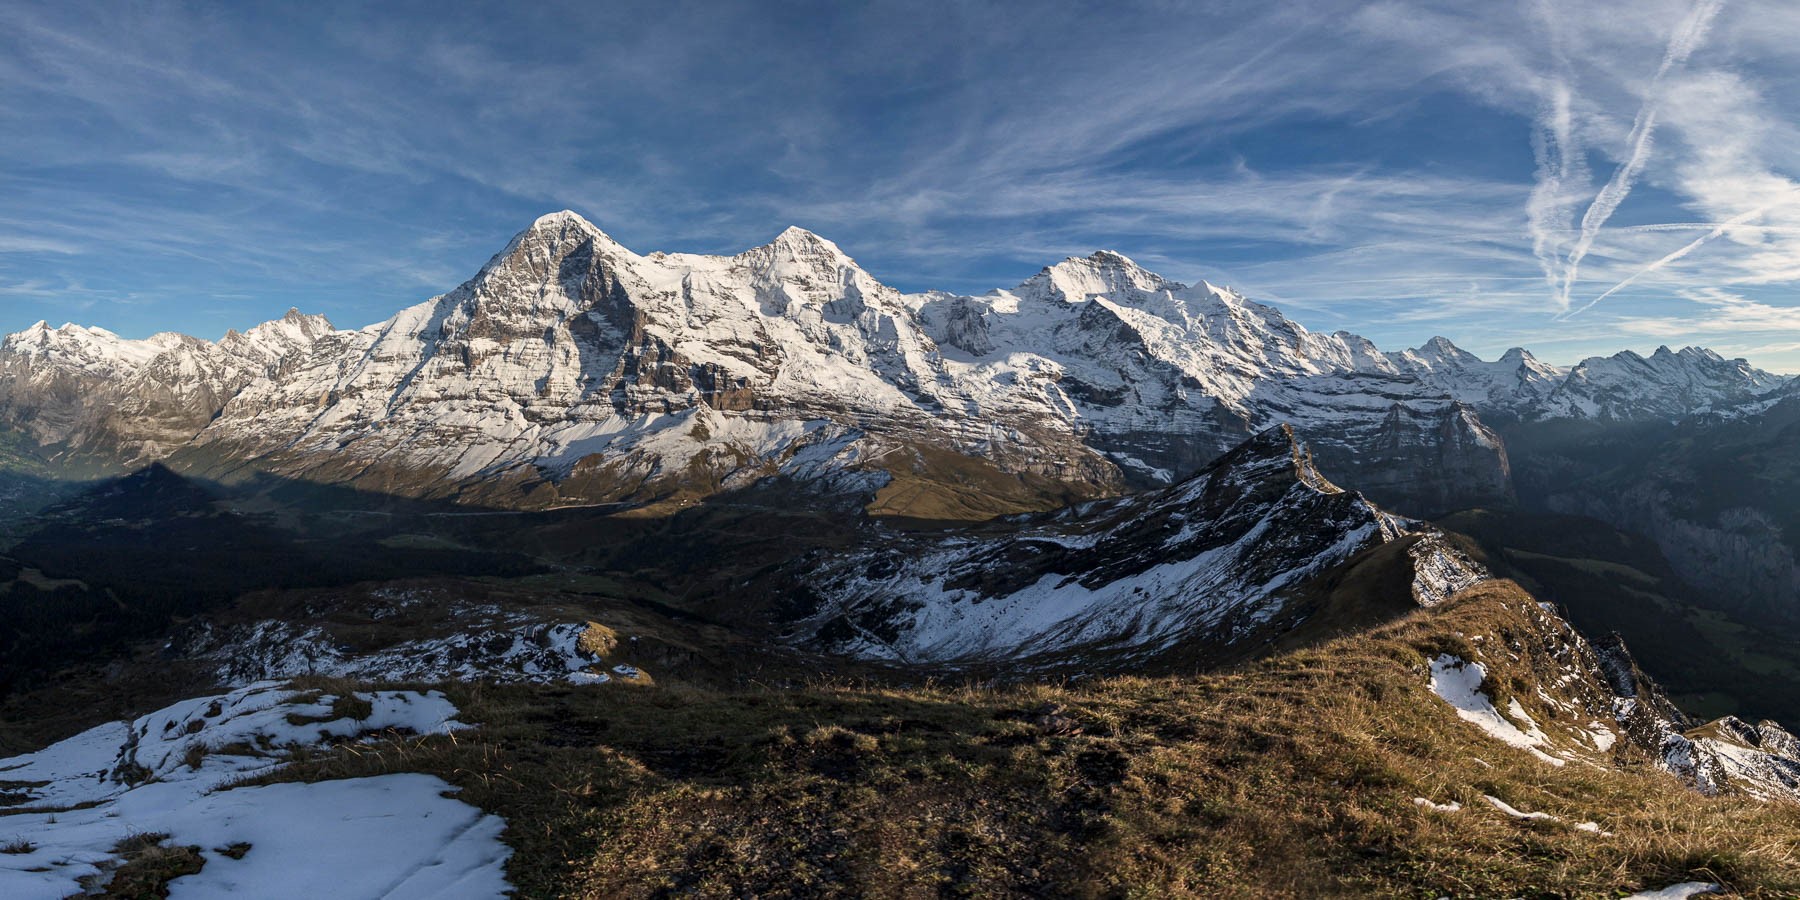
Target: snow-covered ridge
x: 1667, y: 384
x: 572, y: 362
x: 102, y: 352
x: 1213, y: 559
x: 514, y: 649
x: 92, y: 392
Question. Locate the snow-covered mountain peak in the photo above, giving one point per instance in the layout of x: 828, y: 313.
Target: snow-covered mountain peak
x: 273, y: 340
x: 91, y: 349
x: 1101, y: 274
x: 536, y: 252
x: 798, y: 253
x: 1515, y: 384
x: 1439, y: 348
x: 298, y: 322
x: 530, y: 285
x: 1440, y: 355
x: 797, y: 238
x: 564, y: 221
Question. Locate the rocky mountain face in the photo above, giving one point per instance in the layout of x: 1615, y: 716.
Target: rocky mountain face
x: 572, y: 370
x: 1762, y: 760
x: 1517, y: 671
x: 1233, y: 557
x: 1717, y: 493
x: 97, y: 398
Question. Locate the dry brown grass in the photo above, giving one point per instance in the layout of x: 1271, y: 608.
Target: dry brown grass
x: 1290, y: 778
x: 597, y: 640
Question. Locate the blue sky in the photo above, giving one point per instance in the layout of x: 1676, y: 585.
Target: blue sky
x: 1575, y: 177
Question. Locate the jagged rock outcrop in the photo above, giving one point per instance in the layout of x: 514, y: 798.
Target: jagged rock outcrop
x: 1522, y: 674
x: 1762, y: 760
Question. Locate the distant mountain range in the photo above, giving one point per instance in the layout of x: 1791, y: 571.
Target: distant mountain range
x: 571, y: 370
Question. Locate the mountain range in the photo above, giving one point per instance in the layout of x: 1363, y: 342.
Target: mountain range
x: 571, y: 370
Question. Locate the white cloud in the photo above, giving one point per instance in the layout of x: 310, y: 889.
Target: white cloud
x: 1726, y: 314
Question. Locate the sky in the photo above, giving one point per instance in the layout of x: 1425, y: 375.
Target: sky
x: 1571, y: 176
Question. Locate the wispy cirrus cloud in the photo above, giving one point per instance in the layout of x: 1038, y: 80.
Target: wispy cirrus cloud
x: 1401, y: 167
x: 1724, y: 312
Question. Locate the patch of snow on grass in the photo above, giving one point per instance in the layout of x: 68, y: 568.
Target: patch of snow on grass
x: 168, y: 772
x: 1459, y: 683
x: 391, y: 837
x: 1517, y: 713
x: 1603, y: 736
x: 1678, y: 891
x: 1507, y: 808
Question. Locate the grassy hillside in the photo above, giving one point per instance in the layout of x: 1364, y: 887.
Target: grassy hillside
x: 1292, y: 777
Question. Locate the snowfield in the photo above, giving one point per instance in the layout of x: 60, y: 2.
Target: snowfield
x: 170, y: 773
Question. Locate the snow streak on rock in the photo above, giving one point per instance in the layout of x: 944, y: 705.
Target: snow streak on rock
x: 1212, y: 558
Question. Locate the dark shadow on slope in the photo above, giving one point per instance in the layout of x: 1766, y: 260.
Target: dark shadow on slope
x: 1720, y: 497
x: 1714, y: 660
x: 122, y: 560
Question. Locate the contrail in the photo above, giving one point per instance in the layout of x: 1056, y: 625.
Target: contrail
x: 1560, y: 163
x: 1682, y: 43
x: 1718, y: 230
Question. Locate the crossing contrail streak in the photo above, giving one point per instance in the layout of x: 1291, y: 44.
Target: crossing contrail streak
x: 1718, y: 230
x: 1682, y: 43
